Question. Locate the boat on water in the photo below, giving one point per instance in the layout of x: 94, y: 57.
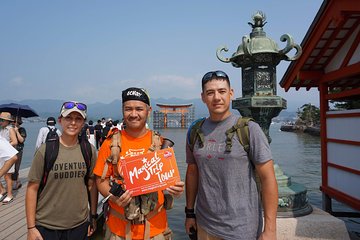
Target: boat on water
x: 286, y: 127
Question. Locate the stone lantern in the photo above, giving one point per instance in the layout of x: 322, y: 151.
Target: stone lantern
x: 258, y: 56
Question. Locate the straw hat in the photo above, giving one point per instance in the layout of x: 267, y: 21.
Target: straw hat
x: 6, y: 116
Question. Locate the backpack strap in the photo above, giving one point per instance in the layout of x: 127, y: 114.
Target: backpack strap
x: 194, y: 133
x: 243, y: 133
x: 241, y: 128
x: 51, y: 153
x: 86, y: 151
x: 52, y: 146
x: 115, y: 148
x: 155, y: 141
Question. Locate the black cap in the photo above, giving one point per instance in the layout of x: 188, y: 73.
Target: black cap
x: 135, y: 94
x: 51, y: 121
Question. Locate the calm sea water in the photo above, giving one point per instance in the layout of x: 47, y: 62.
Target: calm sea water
x: 298, y: 155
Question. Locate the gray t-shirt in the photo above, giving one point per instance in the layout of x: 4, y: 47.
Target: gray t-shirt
x: 228, y: 204
x: 63, y: 203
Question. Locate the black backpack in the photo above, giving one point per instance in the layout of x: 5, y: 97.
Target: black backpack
x: 51, y: 152
x: 105, y: 132
x: 241, y: 129
x: 52, y: 134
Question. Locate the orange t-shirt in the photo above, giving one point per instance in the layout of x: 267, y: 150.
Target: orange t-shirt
x: 130, y: 146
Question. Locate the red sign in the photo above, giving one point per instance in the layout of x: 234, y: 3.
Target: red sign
x: 150, y: 172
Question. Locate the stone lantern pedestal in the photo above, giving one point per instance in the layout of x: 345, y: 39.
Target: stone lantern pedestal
x: 260, y: 108
x: 258, y: 56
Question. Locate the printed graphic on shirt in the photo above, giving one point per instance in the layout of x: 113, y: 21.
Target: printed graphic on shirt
x: 212, y: 147
x: 134, y: 152
x: 69, y: 170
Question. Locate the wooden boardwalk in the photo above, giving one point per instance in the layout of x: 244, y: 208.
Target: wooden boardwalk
x: 12, y: 216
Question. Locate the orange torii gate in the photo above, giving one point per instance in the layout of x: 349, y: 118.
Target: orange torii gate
x: 180, y: 113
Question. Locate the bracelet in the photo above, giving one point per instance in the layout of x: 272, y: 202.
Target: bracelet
x: 94, y: 216
x: 187, y: 210
x: 31, y: 227
x: 190, y: 215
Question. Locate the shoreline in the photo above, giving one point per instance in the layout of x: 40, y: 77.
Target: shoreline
x: 314, y: 131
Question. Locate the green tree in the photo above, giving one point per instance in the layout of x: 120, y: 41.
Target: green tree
x: 347, y: 103
x: 309, y: 115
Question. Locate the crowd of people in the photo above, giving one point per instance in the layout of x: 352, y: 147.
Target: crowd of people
x: 98, y: 133
x: 11, y: 132
x: 74, y: 163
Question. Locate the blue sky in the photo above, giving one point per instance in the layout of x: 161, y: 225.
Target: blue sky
x: 91, y: 50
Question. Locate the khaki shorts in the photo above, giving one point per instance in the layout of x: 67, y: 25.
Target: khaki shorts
x: 162, y: 236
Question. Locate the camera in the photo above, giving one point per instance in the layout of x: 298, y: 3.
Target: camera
x: 116, y: 189
x: 167, y: 143
x: 193, y: 234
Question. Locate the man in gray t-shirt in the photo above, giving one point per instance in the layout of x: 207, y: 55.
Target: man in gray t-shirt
x: 222, y: 184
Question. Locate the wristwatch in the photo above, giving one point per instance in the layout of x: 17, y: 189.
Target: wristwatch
x: 190, y: 213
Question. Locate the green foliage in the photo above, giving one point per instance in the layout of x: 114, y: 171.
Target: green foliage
x: 346, y: 105
x: 309, y: 115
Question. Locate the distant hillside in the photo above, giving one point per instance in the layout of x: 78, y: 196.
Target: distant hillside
x: 49, y: 107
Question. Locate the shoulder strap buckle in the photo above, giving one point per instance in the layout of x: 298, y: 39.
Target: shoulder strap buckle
x: 242, y: 131
x: 194, y: 133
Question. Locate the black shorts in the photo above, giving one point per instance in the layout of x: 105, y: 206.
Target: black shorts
x: 77, y: 233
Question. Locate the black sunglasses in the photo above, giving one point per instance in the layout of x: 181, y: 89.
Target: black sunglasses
x: 210, y: 75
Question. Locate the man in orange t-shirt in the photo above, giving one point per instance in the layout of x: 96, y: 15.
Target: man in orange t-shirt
x: 136, y: 139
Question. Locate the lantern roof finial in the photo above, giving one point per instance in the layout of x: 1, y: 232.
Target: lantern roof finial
x: 259, y: 19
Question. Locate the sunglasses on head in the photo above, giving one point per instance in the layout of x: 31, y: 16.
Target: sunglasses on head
x: 210, y: 75
x: 71, y: 105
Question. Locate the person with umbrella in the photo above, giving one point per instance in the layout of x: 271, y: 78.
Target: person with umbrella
x: 6, y: 129
x: 7, y: 132
x: 18, y: 110
x: 21, y: 136
x: 8, y: 111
